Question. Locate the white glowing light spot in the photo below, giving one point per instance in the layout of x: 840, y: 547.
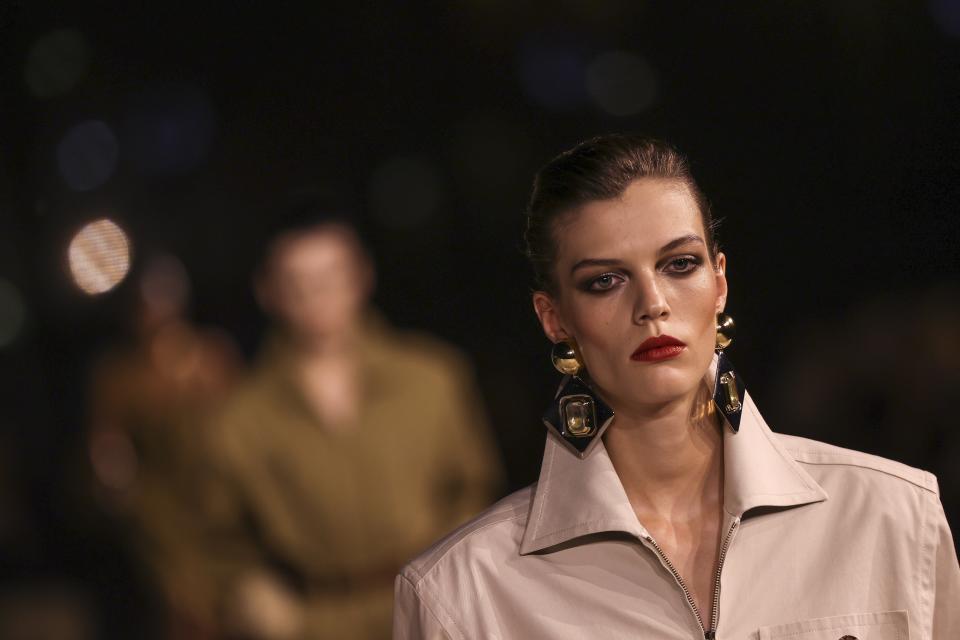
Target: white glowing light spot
x: 99, y: 256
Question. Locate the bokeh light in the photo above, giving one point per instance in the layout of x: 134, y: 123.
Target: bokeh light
x: 99, y: 256
x: 621, y: 83
x: 490, y: 154
x: 552, y: 74
x: 946, y: 13
x: 57, y: 62
x: 169, y: 131
x: 87, y: 155
x: 12, y: 313
x: 405, y: 191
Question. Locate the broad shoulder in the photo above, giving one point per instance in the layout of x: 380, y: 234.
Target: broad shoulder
x: 239, y: 424
x: 819, y: 458
x: 494, y: 535
x: 415, y: 354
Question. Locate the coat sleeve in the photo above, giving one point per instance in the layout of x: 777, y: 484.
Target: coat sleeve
x: 413, y: 619
x: 946, y: 579
x: 469, y: 466
x: 232, y: 551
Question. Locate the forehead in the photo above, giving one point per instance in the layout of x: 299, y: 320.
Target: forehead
x: 649, y: 214
x: 314, y: 251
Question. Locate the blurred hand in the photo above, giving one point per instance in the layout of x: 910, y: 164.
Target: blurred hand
x: 262, y: 607
x: 115, y: 466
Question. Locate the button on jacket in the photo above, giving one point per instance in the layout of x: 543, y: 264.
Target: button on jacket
x: 821, y: 543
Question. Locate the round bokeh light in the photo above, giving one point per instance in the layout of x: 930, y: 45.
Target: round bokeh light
x: 169, y: 131
x: 621, y: 83
x: 87, y: 155
x: 946, y: 13
x: 56, y: 63
x: 552, y: 74
x: 99, y: 256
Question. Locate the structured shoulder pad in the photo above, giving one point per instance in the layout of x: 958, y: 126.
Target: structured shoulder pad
x: 806, y: 451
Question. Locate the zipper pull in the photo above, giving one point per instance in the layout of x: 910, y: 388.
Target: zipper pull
x: 709, y: 635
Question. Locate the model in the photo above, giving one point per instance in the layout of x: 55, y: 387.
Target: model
x: 666, y: 508
x: 348, y: 448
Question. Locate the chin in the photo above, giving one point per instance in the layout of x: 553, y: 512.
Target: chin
x: 661, y: 384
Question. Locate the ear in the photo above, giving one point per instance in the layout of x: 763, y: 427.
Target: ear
x: 720, y: 273
x: 548, y: 313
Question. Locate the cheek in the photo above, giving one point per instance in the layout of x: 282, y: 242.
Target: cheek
x: 707, y: 307
x: 697, y: 309
x: 601, y: 327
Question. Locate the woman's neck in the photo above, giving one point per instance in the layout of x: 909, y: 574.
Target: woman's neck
x: 329, y: 376
x: 330, y: 347
x: 670, y: 463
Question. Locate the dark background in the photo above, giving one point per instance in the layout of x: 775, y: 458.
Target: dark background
x: 825, y: 133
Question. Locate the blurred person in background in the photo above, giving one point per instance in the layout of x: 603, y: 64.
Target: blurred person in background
x: 150, y: 404
x: 350, y: 447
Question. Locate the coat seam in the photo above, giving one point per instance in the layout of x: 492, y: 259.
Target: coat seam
x: 421, y: 576
x: 926, y: 567
x: 425, y: 604
x: 849, y: 463
x: 882, y: 624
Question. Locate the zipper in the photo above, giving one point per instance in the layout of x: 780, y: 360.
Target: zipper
x: 715, y: 617
x: 711, y: 633
x: 676, y: 575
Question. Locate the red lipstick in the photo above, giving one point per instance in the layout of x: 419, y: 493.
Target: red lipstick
x: 658, y: 348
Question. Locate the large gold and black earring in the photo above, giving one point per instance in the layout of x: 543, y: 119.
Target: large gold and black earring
x: 577, y: 415
x: 729, y: 389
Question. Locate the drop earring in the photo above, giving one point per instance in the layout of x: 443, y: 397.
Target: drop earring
x: 577, y: 415
x: 729, y: 389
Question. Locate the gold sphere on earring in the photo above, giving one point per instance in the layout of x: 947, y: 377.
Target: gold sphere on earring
x: 564, y: 357
x: 726, y: 330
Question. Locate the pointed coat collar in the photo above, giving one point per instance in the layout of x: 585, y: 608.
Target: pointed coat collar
x: 577, y: 497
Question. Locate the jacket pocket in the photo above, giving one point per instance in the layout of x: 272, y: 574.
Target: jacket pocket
x: 888, y: 625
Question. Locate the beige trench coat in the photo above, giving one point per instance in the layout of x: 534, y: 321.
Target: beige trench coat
x: 821, y: 543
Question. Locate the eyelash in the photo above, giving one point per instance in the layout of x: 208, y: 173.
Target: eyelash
x: 694, y: 262
x: 590, y: 285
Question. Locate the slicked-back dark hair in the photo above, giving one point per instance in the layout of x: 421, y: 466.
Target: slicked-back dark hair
x: 599, y: 169
x: 309, y: 208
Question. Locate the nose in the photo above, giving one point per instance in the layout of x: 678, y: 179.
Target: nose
x: 650, y: 304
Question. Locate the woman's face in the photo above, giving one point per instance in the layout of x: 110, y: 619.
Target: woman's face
x: 316, y: 282
x: 632, y: 269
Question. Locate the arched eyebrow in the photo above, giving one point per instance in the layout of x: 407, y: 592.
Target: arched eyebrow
x: 676, y: 243
x: 690, y: 238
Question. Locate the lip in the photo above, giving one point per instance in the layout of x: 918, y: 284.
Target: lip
x: 658, y: 348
